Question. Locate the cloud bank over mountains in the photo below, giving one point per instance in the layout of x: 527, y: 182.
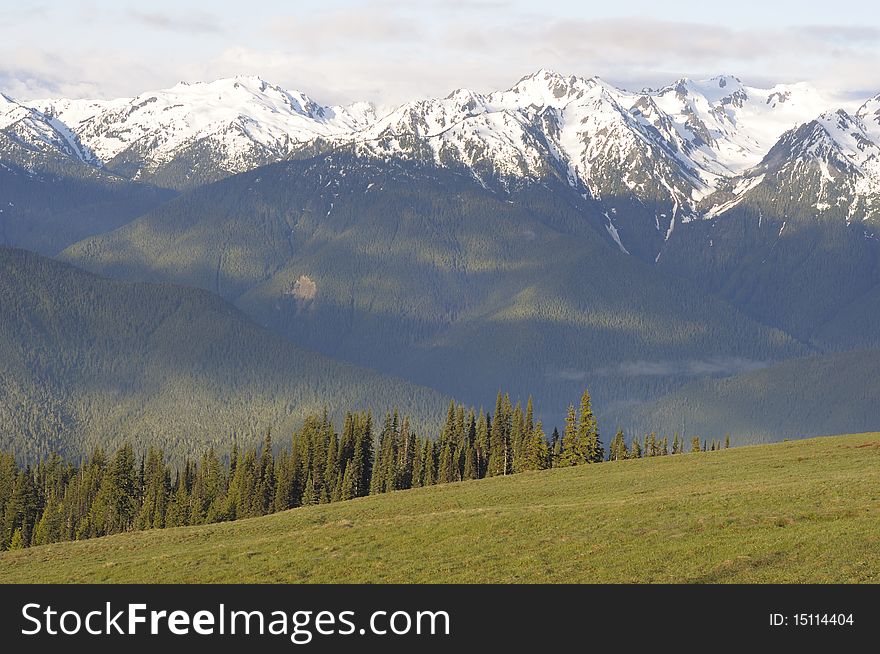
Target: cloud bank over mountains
x: 389, y: 51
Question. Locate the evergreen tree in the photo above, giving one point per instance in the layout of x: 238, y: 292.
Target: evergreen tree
x: 17, y: 541
x: 572, y: 453
x: 617, y: 448
x: 448, y: 432
x: 471, y: 465
x: 284, y: 483
x: 22, y: 508
x: 115, y: 505
x: 635, y: 448
x: 481, y: 444
x: 406, y: 455
x: 530, y: 418
x: 651, y: 444
x: 499, y: 438
x: 429, y: 463
x: 266, y: 482
x: 154, y: 493
x: 178, y: 510
x: 588, y: 432
x: 517, y: 437
x: 555, y: 448
x: 310, y: 495
x: 446, y: 463
x: 8, y: 476
x: 349, y: 483
x: 364, y: 455
x: 50, y: 528
x: 418, y: 474
x: 536, y: 453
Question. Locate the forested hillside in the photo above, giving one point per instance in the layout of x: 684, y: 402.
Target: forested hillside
x: 786, y: 264
x: 56, y: 500
x: 48, y: 201
x: 86, y: 361
x: 794, y: 399
x: 426, y: 274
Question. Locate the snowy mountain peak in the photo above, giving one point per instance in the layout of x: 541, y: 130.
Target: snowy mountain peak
x: 245, y: 120
x: 870, y: 112
x: 544, y: 88
x: 661, y: 152
x: 829, y: 163
x: 542, y: 76
x: 713, y: 90
x: 724, y: 81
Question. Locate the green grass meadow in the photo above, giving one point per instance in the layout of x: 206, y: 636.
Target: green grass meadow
x: 793, y: 512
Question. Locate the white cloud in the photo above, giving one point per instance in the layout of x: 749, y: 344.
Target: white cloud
x: 711, y: 367
x: 348, y: 29
x: 388, y: 51
x: 30, y: 72
x: 189, y: 22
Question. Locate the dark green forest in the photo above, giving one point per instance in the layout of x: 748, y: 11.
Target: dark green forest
x: 88, y: 362
x: 58, y: 500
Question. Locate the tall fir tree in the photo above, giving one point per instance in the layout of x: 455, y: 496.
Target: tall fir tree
x: 499, y: 438
x: 588, y: 432
x: 572, y: 453
x: 635, y: 448
x: 617, y: 448
x: 536, y: 452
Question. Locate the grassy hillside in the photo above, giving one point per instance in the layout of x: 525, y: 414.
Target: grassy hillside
x: 87, y: 361
x: 804, y: 511
x: 802, y: 397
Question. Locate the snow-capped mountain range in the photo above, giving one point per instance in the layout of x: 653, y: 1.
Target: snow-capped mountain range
x: 689, y: 150
x: 241, y: 115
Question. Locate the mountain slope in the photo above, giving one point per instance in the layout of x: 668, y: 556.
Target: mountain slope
x: 799, y: 241
x: 87, y: 361
x: 36, y: 132
x: 795, y: 512
x: 561, y: 228
x: 792, y: 399
x: 48, y: 209
x: 427, y: 274
x: 52, y: 192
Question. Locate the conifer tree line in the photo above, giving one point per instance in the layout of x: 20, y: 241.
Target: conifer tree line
x: 106, y: 494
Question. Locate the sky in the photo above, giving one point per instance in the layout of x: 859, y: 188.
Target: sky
x: 389, y: 51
